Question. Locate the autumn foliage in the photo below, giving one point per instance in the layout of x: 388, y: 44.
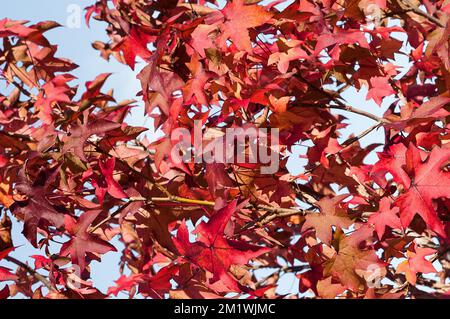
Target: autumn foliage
x: 80, y: 180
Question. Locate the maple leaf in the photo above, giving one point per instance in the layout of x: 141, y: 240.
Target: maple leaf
x: 192, y: 285
x: 155, y: 286
x: 329, y: 290
x: 213, y: 251
x: 161, y: 83
x: 341, y: 37
x: 238, y: 19
x: 37, y: 209
x: 203, y: 38
x: 5, y: 274
x: 416, y: 263
x: 135, y: 44
x: 392, y: 161
x: 292, y: 53
x: 196, y: 85
x: 379, y: 89
x: 434, y: 108
x: 427, y: 182
x: 4, y: 293
x: 106, y: 182
x: 125, y: 283
x: 93, y: 87
x: 279, y: 105
x: 331, y: 214
x: 385, y: 216
x: 438, y: 43
x: 53, y: 92
x: 217, y: 177
x: 353, y: 266
x: 10, y: 27
x: 82, y: 241
x: 80, y: 133
x: 41, y: 261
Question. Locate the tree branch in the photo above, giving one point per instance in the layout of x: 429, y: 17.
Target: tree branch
x: 32, y: 272
x: 339, y: 104
x: 416, y: 10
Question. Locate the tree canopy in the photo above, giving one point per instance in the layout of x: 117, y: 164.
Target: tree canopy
x: 79, y: 178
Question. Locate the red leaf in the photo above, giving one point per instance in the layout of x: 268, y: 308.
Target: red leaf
x: 135, y: 44
x: 213, y: 251
x: 331, y: 214
x: 4, y: 293
x: 80, y: 133
x: 196, y: 85
x: 392, y: 161
x: 379, y: 89
x: 341, y: 37
x: 386, y: 216
x: 6, y: 275
x: 37, y: 209
x: 82, y: 241
x: 416, y: 263
x: 125, y: 283
x: 428, y: 182
x: 239, y: 18
x: 113, y: 188
x: 10, y: 27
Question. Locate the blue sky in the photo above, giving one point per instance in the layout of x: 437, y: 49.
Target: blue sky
x: 75, y: 44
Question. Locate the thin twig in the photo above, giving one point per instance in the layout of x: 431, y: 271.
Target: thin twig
x: 272, y: 212
x: 32, y: 272
x: 339, y: 104
x: 285, y: 269
x: 416, y: 10
x: 346, y: 144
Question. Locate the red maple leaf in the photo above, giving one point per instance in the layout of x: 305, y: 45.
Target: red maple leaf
x: 5, y: 273
x: 37, y: 210
x: 135, y: 44
x: 331, y: 214
x: 105, y: 183
x: 385, y: 216
x: 82, y: 241
x: 125, y: 283
x: 379, y: 89
x: 80, y: 133
x: 215, y: 252
x: 239, y: 18
x: 196, y: 85
x: 341, y: 37
x: 428, y: 181
x: 53, y: 92
x: 10, y: 27
x: 392, y: 161
x: 4, y: 293
x: 416, y: 263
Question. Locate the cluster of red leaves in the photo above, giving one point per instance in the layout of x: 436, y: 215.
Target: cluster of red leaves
x: 77, y: 176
